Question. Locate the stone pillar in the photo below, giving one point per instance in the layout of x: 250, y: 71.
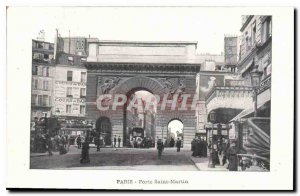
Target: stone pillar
x: 117, y: 125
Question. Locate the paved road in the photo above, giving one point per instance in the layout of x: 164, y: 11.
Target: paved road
x: 108, y: 158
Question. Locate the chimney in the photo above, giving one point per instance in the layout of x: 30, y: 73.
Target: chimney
x: 55, y: 43
x: 69, y: 41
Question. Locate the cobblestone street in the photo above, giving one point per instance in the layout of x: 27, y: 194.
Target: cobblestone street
x: 122, y: 158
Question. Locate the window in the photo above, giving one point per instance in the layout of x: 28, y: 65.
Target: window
x: 82, y: 109
x: 77, y: 45
x: 33, y: 44
x: 266, y: 29
x: 33, y: 99
x: 80, y: 45
x: 45, y: 100
x: 68, y: 109
x: 267, y: 71
x: 253, y: 33
x: 51, y: 47
x: 83, y: 77
x: 69, y: 75
x: 40, y: 45
x: 44, y: 71
x: 47, y: 71
x: 46, y: 57
x: 37, y: 56
x: 69, y: 92
x: 46, y: 46
x: 34, y: 70
x: 40, y: 100
x: 49, y: 100
x: 82, y: 92
x: 45, y: 85
x: 34, y: 83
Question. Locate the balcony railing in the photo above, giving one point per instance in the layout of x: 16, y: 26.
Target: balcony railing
x: 228, y: 91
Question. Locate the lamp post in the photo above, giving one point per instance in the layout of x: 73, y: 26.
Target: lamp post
x: 212, y: 119
x: 210, y: 131
x: 255, y: 82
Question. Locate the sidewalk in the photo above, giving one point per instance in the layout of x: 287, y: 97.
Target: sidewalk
x: 202, y: 164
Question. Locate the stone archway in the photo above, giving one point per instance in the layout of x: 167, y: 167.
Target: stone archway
x: 104, y: 128
x: 175, y: 130
x: 130, y: 86
x: 161, y: 83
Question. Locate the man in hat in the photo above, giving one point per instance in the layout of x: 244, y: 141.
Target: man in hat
x: 160, y: 148
x: 115, y: 141
x: 178, y: 144
x: 232, y: 157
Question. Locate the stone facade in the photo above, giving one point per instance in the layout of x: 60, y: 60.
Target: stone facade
x: 153, y: 69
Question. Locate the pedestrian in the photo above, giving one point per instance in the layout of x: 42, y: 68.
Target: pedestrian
x: 56, y: 142
x: 160, y: 148
x: 204, y: 150
x: 225, y: 146
x: 119, y: 141
x: 178, y: 144
x: 62, y: 149
x: 193, y: 147
x: 85, y: 158
x: 49, y: 145
x: 68, y: 142
x: 172, y: 142
x: 97, y: 142
x: 198, y: 148
x: 115, y: 141
x: 214, y: 154
x: 78, y: 141
x: 232, y: 157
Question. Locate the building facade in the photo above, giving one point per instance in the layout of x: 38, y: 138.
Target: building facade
x: 69, y: 87
x: 42, y: 79
x: 74, y: 45
x: 255, y: 55
x: 239, y: 106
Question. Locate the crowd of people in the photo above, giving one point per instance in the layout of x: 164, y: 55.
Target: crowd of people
x: 199, y: 147
x: 42, y: 143
x: 224, y: 152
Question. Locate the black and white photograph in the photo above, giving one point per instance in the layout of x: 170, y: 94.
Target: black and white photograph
x: 140, y: 89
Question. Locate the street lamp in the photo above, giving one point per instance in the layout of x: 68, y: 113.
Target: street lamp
x: 255, y: 82
x: 209, y: 129
x: 213, y: 116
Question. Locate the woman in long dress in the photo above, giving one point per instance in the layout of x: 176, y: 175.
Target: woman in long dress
x: 232, y: 157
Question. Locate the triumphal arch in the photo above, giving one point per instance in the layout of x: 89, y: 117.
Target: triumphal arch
x: 168, y: 70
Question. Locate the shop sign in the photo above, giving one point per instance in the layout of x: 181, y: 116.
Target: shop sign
x: 224, y: 132
x: 264, y: 85
x: 232, y: 133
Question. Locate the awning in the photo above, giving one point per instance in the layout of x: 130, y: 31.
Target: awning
x: 246, y: 112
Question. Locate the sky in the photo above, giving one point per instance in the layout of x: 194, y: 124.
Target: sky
x: 174, y: 125
x: 206, y: 26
